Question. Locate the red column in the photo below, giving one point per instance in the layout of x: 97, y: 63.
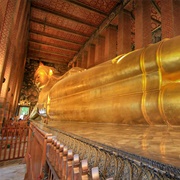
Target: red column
x: 17, y: 84
x: 14, y: 55
x: 6, y: 21
x: 84, y: 59
x: 170, y: 16
x: 79, y: 60
x: 91, y: 55
x: 110, y: 42
x: 73, y: 64
x: 143, y: 35
x: 99, y: 51
x: 20, y: 56
x: 124, y: 33
x: 6, y: 88
x: 4, y: 35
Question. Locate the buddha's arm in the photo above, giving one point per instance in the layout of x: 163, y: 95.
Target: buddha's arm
x: 34, y: 113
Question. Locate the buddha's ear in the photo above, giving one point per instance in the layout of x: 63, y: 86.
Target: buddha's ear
x: 50, y: 72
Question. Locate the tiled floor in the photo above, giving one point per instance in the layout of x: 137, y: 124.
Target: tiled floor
x: 12, y: 170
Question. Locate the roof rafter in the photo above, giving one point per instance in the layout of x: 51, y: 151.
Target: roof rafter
x: 52, y: 36
x: 51, y: 53
x: 87, y: 7
x: 57, y: 27
x: 62, y: 15
x: 105, y: 23
x: 50, y: 45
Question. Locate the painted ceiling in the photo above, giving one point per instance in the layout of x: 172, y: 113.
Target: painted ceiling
x: 59, y: 30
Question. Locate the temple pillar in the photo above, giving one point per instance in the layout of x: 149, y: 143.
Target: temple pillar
x: 110, y: 42
x: 15, y: 52
x: 73, y: 64
x: 124, y: 33
x: 20, y: 56
x: 91, y: 55
x: 6, y: 88
x: 170, y: 15
x: 6, y: 28
x: 9, y: 11
x: 19, y: 70
x: 79, y: 60
x: 99, y: 52
x: 16, y: 87
x: 143, y: 35
x: 84, y: 59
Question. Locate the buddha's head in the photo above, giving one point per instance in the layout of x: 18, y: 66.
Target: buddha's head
x: 42, y: 75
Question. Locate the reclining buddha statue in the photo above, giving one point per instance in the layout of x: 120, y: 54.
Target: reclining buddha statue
x: 140, y: 87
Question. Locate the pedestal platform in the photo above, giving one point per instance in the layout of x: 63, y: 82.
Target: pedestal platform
x: 154, y: 148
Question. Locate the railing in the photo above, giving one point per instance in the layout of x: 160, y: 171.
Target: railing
x: 63, y: 164
x: 13, y: 141
x: 36, y: 154
x: 49, y: 159
x: 69, y: 157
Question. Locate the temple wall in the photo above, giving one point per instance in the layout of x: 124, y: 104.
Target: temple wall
x: 13, y: 42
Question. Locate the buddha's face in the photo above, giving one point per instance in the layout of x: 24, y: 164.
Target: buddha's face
x: 41, y: 79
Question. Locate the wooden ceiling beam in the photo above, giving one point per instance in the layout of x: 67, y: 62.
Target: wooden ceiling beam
x: 51, y: 45
x: 46, y: 60
x: 51, y: 53
x: 44, y: 23
x: 155, y: 29
x: 156, y: 6
x: 52, y: 36
x: 55, y: 39
x: 89, y: 8
x: 61, y: 14
x: 155, y: 20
